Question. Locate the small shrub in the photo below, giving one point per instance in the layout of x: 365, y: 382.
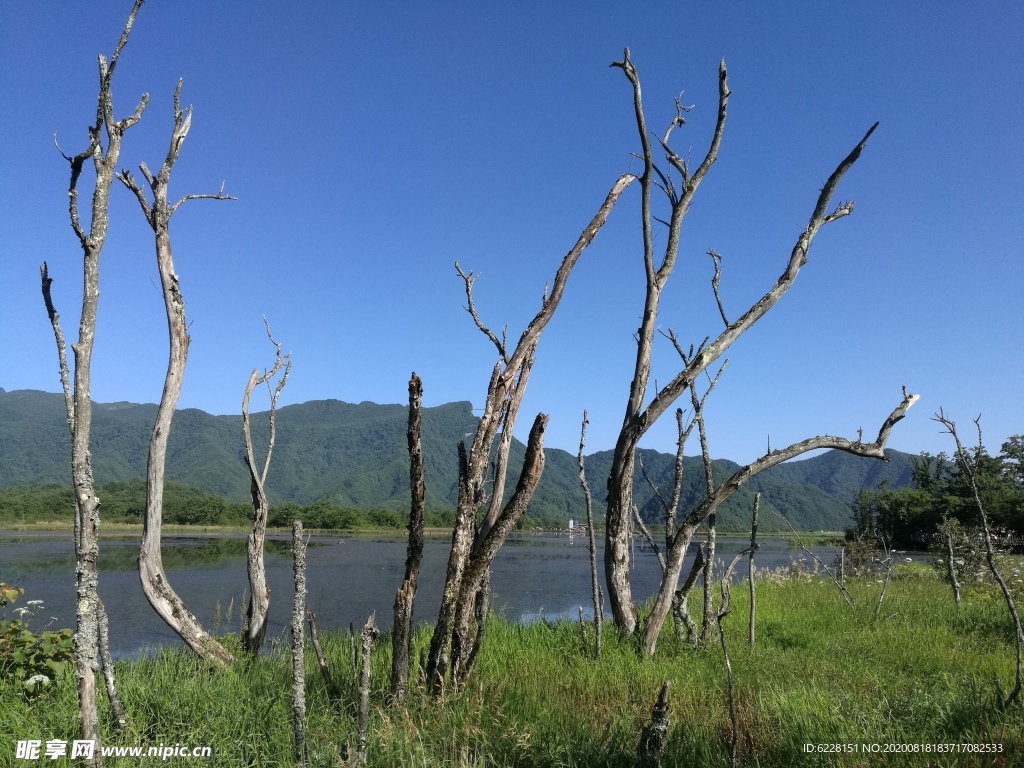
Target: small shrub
x: 34, y: 660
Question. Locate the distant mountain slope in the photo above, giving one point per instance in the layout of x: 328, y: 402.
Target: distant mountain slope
x: 355, y: 455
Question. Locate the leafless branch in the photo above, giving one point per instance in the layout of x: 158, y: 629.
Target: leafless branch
x: 970, y: 468
x: 218, y: 196
x: 716, y: 281
x: 62, y: 355
x: 650, y: 539
x: 839, y: 585
x: 469, y: 279
x: 595, y: 587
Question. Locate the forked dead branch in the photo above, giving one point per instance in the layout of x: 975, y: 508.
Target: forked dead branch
x: 254, y: 630
x: 474, y: 545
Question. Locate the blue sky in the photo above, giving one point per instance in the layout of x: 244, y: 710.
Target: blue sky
x: 371, y: 145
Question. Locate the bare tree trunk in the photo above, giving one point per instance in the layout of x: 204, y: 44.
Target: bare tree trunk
x: 680, y: 610
x: 639, y: 417
x: 480, y: 559
x: 654, y: 735
x: 367, y: 636
x: 674, y: 557
x: 161, y: 596
x: 401, y: 638
x: 116, y: 706
x: 750, y: 571
x: 299, y: 645
x: 595, y: 586
x: 254, y: 632
x: 721, y: 614
x: 89, y: 615
x: 501, y: 406
x: 970, y: 469
x: 707, y: 626
x: 710, y: 614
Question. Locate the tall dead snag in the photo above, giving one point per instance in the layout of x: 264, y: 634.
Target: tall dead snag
x: 501, y: 407
x: 254, y: 629
x: 751, y: 632
x: 299, y: 645
x: 401, y: 637
x: 679, y: 183
x: 970, y: 466
x: 595, y: 585
x: 367, y: 637
x: 161, y: 596
x: 90, y: 618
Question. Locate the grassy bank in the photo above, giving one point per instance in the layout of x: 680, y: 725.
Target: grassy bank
x: 922, y: 673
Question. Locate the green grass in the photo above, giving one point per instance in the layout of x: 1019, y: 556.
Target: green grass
x: 923, y: 672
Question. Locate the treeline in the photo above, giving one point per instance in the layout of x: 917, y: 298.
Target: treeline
x: 125, y: 502
x: 909, y: 517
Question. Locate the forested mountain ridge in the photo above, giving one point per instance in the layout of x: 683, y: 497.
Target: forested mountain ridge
x: 355, y: 455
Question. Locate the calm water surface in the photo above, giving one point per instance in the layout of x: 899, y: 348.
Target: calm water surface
x: 347, y: 578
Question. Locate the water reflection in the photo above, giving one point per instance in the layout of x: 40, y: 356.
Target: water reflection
x: 534, y: 576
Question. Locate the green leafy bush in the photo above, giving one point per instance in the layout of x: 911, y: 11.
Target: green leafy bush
x: 34, y: 660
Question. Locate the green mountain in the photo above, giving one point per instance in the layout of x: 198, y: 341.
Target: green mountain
x: 356, y: 456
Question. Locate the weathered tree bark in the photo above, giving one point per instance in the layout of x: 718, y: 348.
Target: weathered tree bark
x: 367, y: 636
x: 401, y: 637
x: 710, y: 614
x: 674, y: 558
x: 254, y: 630
x: 501, y: 407
x: 116, y: 706
x: 686, y: 628
x: 89, y: 615
x: 970, y: 470
x: 595, y: 585
x: 750, y: 572
x: 480, y: 558
x: 158, y: 591
x: 299, y: 645
x: 654, y: 734
x: 639, y: 417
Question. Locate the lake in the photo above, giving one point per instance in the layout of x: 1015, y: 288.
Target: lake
x: 347, y: 578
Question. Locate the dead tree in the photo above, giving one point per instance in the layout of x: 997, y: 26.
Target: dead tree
x: 722, y: 492
x: 464, y: 645
x: 298, y: 645
x: 401, y: 637
x: 595, y: 584
x: 970, y: 469
x: 367, y: 637
x: 719, y: 616
x: 90, y: 617
x: 751, y: 630
x: 501, y: 407
x: 254, y: 629
x: 679, y: 183
x: 161, y: 596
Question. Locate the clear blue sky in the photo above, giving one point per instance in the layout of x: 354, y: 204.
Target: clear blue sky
x: 371, y: 145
